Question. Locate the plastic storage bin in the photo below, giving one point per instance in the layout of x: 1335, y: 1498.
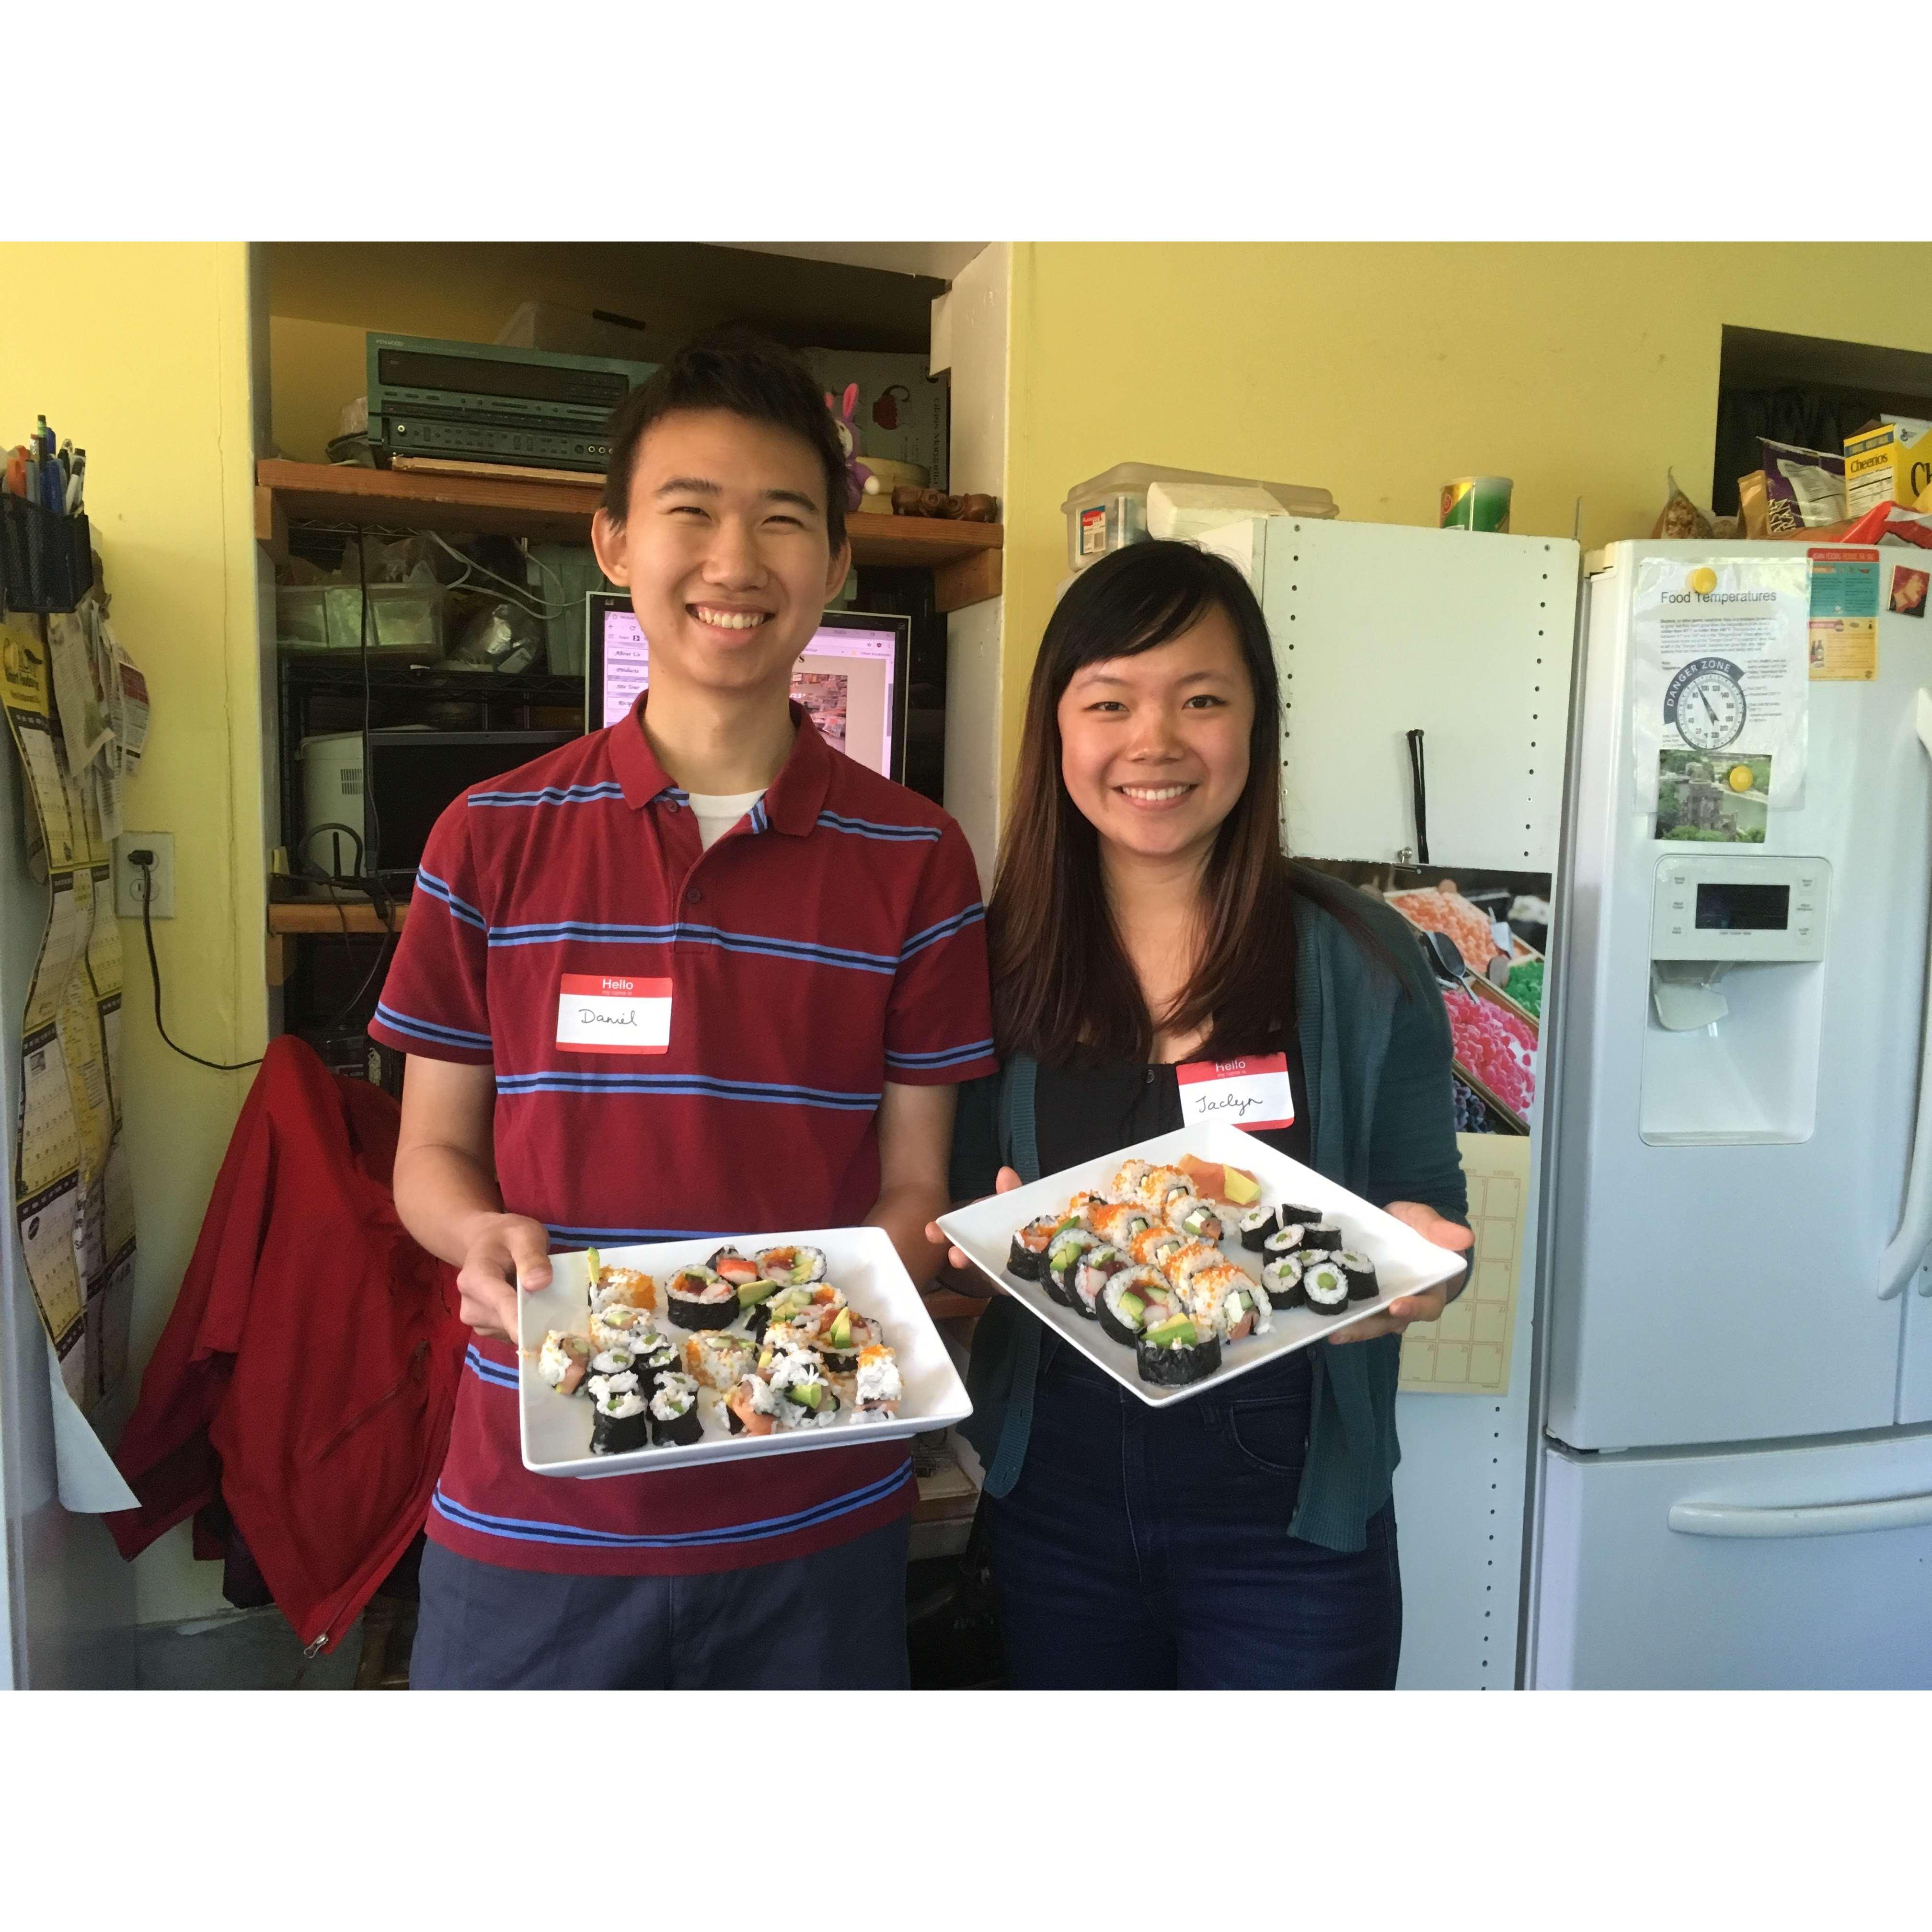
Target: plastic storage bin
x: 405, y: 620
x: 1108, y: 511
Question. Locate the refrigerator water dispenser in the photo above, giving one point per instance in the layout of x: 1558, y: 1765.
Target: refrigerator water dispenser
x: 1736, y: 999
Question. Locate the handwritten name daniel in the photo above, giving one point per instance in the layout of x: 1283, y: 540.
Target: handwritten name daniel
x: 590, y: 1016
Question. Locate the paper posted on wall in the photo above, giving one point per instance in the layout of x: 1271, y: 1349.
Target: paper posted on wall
x: 1723, y: 693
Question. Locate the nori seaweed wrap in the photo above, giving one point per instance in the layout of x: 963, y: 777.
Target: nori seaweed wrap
x: 1325, y: 1287
x: 619, y: 1423
x: 1027, y: 1258
x: 1063, y: 1259
x: 1281, y: 1281
x: 1360, y: 1270
x: 1169, y: 1365
x: 1256, y: 1225
x: 689, y: 1310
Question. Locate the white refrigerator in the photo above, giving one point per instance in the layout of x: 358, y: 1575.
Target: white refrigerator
x: 1733, y: 1458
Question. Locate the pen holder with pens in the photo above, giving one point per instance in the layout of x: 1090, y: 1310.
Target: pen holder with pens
x: 46, y: 561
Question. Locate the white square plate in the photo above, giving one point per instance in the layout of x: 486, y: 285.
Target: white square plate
x: 1404, y: 1262
x: 861, y: 1261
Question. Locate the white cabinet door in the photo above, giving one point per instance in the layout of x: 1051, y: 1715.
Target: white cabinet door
x: 1776, y: 1569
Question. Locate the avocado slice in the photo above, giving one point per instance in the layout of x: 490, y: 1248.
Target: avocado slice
x: 1131, y: 1307
x: 841, y: 1334
x: 808, y: 1395
x: 1178, y: 1329
x: 753, y: 1292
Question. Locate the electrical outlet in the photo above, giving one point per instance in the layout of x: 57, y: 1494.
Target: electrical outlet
x: 130, y: 880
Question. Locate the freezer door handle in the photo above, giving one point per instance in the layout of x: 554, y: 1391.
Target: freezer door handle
x: 1900, y: 1260
x: 1802, y: 1519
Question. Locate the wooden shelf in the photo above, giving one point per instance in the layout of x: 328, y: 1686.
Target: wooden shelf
x: 964, y: 559
x: 305, y: 915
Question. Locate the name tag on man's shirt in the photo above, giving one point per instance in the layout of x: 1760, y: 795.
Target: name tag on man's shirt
x: 1251, y: 1093
x: 608, y: 1013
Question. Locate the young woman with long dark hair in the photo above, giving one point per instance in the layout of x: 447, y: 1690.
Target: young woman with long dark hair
x: 1144, y: 917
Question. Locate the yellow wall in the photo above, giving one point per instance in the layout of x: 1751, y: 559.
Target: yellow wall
x: 1380, y: 371
x: 143, y: 360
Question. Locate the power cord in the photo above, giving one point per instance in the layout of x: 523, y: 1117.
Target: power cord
x: 143, y: 860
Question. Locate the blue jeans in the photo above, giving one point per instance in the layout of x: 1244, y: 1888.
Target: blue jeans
x: 1148, y: 1549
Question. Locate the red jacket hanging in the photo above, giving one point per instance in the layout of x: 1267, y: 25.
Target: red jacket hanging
x: 308, y: 1375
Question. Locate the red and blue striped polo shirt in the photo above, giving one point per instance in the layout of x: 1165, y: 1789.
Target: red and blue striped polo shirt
x: 833, y: 940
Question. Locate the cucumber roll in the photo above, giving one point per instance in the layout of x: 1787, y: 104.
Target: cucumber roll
x: 1285, y: 1240
x: 1027, y: 1257
x: 1174, y: 1354
x: 1125, y: 1302
x: 1063, y: 1257
x: 619, y: 1423
x: 1294, y: 1210
x: 610, y: 1362
x: 695, y: 1298
x: 675, y: 1421
x: 792, y: 1268
x: 1256, y: 1225
x: 1325, y: 1287
x: 1360, y: 1270
x: 1324, y: 1235
x: 1281, y: 1280
x: 653, y: 1355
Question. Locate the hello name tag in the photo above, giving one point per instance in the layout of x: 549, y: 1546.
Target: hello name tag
x: 609, y: 1013
x: 1253, y: 1092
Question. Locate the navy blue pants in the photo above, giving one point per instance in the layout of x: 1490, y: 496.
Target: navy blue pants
x: 832, y: 1621
x: 1147, y: 1549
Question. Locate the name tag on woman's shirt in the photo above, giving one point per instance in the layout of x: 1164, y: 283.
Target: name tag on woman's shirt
x: 1251, y: 1093
x: 600, y: 1013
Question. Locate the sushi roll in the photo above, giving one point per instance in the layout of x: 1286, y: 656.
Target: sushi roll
x: 1286, y: 1240
x: 1185, y: 1262
x: 751, y: 1409
x: 1084, y: 1206
x: 1157, y: 1185
x: 695, y: 1297
x: 1255, y: 1225
x: 1193, y: 1217
x: 1245, y: 1309
x: 1127, y: 1179
x: 843, y: 1339
x: 628, y: 1288
x: 880, y: 1390
x: 718, y: 1360
x: 1173, y: 1353
x: 1281, y: 1281
x: 1325, y: 1286
x: 1324, y: 1235
x: 1063, y: 1257
x: 1127, y: 1300
x: 675, y: 1421
x: 806, y: 1400
x: 1295, y: 1210
x: 1360, y: 1270
x: 619, y: 1423
x: 652, y: 1355
x: 1091, y: 1273
x: 1027, y: 1256
x: 613, y: 1362
x: 617, y: 1326
x: 563, y: 1361
x: 1152, y: 1246
x: 1118, y: 1224
x: 790, y: 1266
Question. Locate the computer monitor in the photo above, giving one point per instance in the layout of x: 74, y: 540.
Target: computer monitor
x: 413, y: 775
x: 852, y: 680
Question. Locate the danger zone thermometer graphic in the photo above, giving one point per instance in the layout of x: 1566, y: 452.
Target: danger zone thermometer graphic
x: 1705, y: 702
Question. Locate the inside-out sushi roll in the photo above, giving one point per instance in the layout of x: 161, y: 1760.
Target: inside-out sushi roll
x: 751, y: 1409
x: 1242, y: 1309
x: 1255, y: 1225
x: 1152, y: 1246
x: 1084, y: 1205
x: 1281, y: 1281
x: 563, y: 1361
x: 1157, y: 1184
x: 1062, y: 1258
x: 675, y: 1419
x: 880, y: 1389
x: 1185, y: 1262
x: 618, y: 1423
x: 1128, y: 1176
x: 1117, y: 1223
x: 617, y: 1325
x: 1322, y: 1234
x: 1128, y: 1300
x: 1091, y: 1273
x: 1174, y: 1353
x: 631, y: 1287
x: 718, y: 1360
x: 1027, y: 1257
x: 792, y: 1267
x: 695, y: 1297
x: 1193, y: 1217
x: 1325, y: 1286
x: 1360, y: 1270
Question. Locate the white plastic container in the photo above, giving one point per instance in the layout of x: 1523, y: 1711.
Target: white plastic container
x: 405, y: 620
x: 1108, y: 511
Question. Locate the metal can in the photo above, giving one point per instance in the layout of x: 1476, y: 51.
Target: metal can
x: 1476, y: 503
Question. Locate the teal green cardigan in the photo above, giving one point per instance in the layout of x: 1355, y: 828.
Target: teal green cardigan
x: 1376, y: 1053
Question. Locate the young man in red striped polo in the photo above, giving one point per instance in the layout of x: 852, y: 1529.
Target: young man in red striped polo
x: 820, y: 931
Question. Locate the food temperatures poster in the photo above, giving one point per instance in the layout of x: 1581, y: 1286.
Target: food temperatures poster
x: 1722, y: 689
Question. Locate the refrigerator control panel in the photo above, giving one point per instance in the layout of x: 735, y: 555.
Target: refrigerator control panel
x: 1734, y: 906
